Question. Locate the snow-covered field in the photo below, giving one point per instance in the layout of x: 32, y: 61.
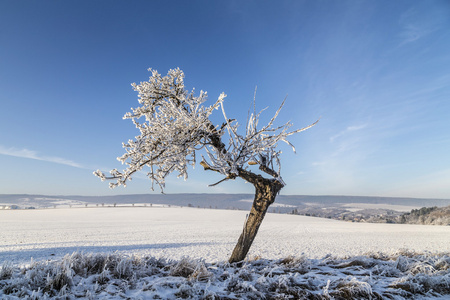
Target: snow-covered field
x: 359, y: 206
x: 199, y: 233
x: 207, y: 237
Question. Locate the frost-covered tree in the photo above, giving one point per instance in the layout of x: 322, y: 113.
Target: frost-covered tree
x: 175, y: 128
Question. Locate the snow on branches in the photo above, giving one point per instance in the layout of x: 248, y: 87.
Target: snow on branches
x: 174, y: 124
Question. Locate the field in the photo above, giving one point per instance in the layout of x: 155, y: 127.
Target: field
x: 291, y: 248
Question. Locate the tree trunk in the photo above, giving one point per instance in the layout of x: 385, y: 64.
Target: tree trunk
x: 265, y: 192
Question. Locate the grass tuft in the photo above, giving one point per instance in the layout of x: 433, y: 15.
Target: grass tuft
x: 104, y: 276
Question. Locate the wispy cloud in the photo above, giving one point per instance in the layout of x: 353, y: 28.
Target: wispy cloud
x: 347, y: 130
x: 417, y: 24
x: 348, y: 142
x: 26, y: 153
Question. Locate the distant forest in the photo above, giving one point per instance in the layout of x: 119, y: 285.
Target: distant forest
x: 427, y: 216
x: 423, y: 216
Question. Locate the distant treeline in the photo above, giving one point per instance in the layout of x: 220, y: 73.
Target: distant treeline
x: 423, y: 216
x: 427, y: 216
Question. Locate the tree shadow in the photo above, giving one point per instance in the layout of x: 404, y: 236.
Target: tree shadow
x: 51, y: 253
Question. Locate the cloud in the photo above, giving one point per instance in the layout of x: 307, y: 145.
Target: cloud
x: 416, y: 24
x: 347, y: 130
x: 25, y: 153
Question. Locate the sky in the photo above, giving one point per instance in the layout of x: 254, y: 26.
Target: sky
x: 376, y: 73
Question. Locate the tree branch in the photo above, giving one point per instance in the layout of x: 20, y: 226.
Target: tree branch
x: 177, y: 124
x: 268, y: 170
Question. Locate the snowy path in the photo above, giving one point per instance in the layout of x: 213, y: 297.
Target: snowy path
x: 198, y: 233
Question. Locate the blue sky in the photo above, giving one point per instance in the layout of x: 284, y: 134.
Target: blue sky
x: 375, y: 72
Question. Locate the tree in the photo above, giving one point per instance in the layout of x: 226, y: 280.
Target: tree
x: 175, y: 126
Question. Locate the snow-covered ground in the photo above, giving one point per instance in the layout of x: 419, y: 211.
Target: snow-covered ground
x: 359, y: 206
x: 171, y: 253
x: 199, y: 233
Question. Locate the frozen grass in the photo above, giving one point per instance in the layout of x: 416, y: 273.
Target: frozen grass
x: 399, y: 275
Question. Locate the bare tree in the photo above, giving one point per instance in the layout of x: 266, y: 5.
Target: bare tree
x: 175, y: 126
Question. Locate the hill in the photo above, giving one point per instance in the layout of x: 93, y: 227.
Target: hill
x: 283, y: 203
x: 427, y: 216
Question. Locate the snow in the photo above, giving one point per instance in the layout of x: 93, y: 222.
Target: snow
x: 171, y: 253
x: 199, y: 233
x: 41, y: 202
x: 360, y: 206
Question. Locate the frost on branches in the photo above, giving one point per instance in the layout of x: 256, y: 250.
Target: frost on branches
x: 174, y: 124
